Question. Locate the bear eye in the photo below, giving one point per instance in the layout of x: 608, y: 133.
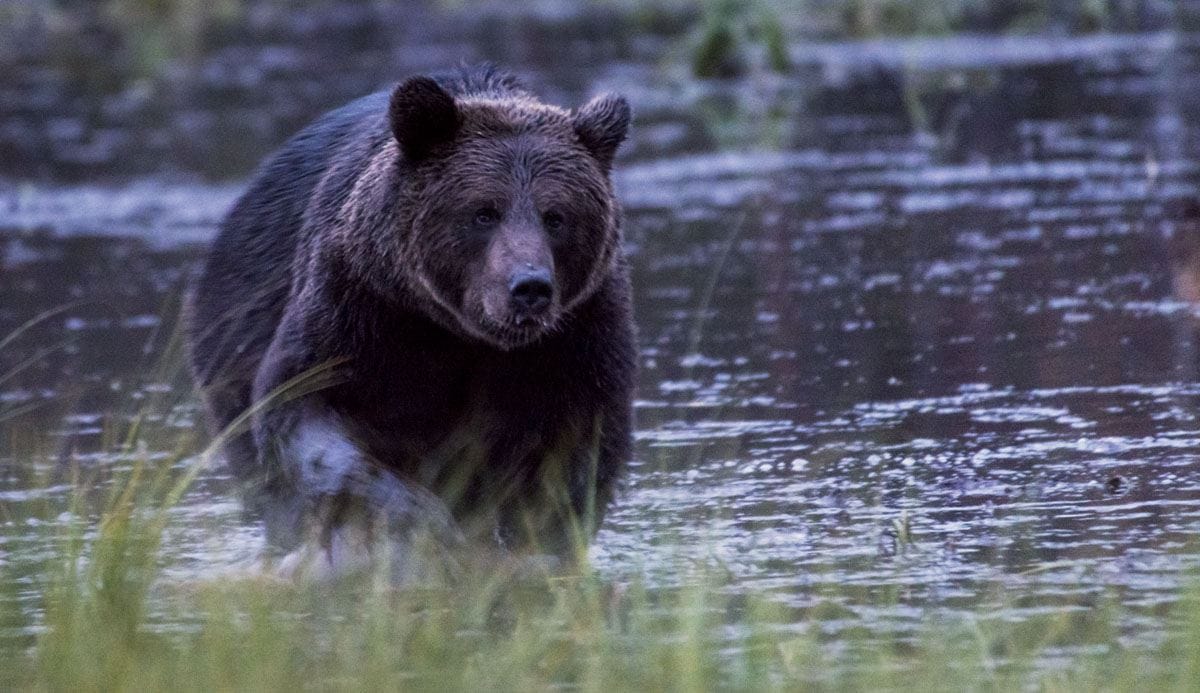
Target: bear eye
x: 553, y: 221
x: 487, y: 216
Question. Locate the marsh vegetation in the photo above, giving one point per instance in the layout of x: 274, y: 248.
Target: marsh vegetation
x: 117, y: 609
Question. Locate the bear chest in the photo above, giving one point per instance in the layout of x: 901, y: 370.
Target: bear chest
x: 450, y: 413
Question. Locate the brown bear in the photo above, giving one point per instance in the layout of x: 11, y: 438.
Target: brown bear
x: 422, y: 310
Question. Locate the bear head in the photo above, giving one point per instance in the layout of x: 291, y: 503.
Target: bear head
x: 509, y: 217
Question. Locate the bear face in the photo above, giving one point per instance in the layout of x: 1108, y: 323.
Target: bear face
x: 512, y: 220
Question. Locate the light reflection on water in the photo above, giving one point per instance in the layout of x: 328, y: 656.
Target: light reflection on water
x: 972, y: 328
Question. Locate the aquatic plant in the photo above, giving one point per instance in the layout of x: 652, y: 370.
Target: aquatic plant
x: 864, y: 18
x: 718, y: 51
x: 775, y: 43
x: 867, y: 18
x: 730, y: 32
x: 108, y: 615
x: 158, y: 31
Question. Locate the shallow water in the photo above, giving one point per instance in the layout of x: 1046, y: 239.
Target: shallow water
x: 909, y: 320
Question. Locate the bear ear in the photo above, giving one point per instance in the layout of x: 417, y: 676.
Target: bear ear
x: 423, y: 115
x: 601, y: 125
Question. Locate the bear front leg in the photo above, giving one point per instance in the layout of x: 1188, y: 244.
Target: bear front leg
x: 340, y: 511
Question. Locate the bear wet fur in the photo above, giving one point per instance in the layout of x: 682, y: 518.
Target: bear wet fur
x: 421, y: 312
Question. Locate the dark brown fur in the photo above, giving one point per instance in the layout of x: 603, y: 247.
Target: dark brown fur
x: 379, y: 250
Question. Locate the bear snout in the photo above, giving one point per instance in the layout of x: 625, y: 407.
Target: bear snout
x: 531, y: 292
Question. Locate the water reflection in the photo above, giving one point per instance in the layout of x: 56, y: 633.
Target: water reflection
x: 960, y: 293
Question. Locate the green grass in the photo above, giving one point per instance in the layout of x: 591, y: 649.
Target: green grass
x: 108, y: 618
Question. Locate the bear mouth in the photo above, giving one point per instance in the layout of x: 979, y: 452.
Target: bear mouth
x: 515, y: 333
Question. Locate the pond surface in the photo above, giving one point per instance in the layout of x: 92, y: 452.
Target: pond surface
x: 916, y: 317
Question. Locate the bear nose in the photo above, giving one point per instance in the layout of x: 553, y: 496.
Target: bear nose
x: 531, y: 292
